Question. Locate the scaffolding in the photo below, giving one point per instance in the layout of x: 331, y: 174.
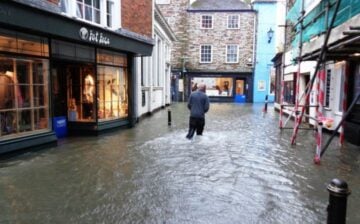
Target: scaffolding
x: 316, y: 21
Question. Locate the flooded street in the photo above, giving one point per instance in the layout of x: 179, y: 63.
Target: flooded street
x: 242, y: 170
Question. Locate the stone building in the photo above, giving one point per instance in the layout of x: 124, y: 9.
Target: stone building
x: 68, y: 67
x: 216, y: 41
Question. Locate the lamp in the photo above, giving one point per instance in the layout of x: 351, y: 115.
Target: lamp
x: 270, y: 34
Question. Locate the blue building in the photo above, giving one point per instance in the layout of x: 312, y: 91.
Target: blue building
x: 264, y: 76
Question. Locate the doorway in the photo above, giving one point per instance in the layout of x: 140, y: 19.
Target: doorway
x: 73, y: 92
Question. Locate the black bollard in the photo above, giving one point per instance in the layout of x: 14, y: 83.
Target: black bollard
x: 266, y: 102
x: 338, y: 193
x: 169, y: 117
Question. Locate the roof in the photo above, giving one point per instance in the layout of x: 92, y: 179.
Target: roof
x: 216, y: 5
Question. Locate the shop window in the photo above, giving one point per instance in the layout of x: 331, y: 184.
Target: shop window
x: 112, y: 93
x: 24, y: 106
x: 272, y: 81
x: 289, y: 96
x: 327, y: 88
x: 221, y: 86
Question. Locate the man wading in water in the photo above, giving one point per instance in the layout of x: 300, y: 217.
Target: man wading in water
x: 198, y: 105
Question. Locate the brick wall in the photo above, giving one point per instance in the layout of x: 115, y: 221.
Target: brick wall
x: 54, y: 1
x: 137, y: 16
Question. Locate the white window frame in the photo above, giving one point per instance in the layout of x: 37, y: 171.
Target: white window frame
x: 202, y: 23
x: 201, y: 53
x: 230, y: 18
x: 227, y: 53
x: 163, y: 2
x: 70, y: 8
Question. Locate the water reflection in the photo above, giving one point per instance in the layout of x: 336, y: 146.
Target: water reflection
x: 243, y: 170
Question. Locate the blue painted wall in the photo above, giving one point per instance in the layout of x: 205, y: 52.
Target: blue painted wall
x: 264, y: 51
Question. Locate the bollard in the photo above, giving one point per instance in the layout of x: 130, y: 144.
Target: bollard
x: 266, y: 102
x: 169, y: 117
x: 338, y: 192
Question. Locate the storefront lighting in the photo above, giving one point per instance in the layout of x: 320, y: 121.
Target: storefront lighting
x: 270, y: 35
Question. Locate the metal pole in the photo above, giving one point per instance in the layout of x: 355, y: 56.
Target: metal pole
x: 321, y: 60
x: 169, y: 117
x: 266, y: 102
x: 338, y: 193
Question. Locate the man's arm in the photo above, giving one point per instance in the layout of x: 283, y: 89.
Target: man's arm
x: 207, y: 104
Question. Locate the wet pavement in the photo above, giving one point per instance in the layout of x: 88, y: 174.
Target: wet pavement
x: 242, y: 170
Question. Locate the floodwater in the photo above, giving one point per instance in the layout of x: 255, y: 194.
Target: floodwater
x: 242, y: 170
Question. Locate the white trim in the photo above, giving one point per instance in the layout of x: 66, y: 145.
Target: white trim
x: 237, y: 54
x: 211, y: 54
x: 238, y: 22
x: 201, y: 22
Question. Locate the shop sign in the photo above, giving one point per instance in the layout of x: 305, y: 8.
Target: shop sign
x: 94, y: 36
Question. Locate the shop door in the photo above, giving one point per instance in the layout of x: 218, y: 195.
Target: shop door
x: 240, y: 94
x: 74, y: 92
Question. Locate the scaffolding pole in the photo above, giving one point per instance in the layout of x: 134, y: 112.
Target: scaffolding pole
x: 320, y: 61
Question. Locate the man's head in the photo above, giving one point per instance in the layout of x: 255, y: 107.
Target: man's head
x: 202, y: 87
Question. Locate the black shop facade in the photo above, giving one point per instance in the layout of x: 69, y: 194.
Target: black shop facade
x: 60, y: 77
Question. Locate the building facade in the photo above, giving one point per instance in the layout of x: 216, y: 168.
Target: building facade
x: 338, y: 77
x: 215, y: 45
x: 154, y: 72
x: 267, y: 41
x: 68, y: 67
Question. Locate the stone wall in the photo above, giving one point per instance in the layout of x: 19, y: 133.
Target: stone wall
x: 186, y: 26
x: 219, y: 37
x: 176, y: 16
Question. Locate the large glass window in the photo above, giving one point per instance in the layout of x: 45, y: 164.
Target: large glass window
x: 219, y: 86
x: 205, y: 54
x: 24, y: 106
x: 112, y: 86
x: 289, y: 96
x: 112, y: 93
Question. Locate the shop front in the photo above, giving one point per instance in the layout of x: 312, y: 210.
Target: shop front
x: 75, y: 79
x: 222, y: 87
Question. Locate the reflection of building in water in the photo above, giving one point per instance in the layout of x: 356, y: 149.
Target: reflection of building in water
x: 89, y: 89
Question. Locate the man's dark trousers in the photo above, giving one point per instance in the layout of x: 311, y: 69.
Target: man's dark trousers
x: 196, y: 124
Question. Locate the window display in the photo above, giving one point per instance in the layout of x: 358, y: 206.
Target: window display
x: 23, y: 95
x: 112, y: 84
x: 112, y: 93
x: 221, y: 86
